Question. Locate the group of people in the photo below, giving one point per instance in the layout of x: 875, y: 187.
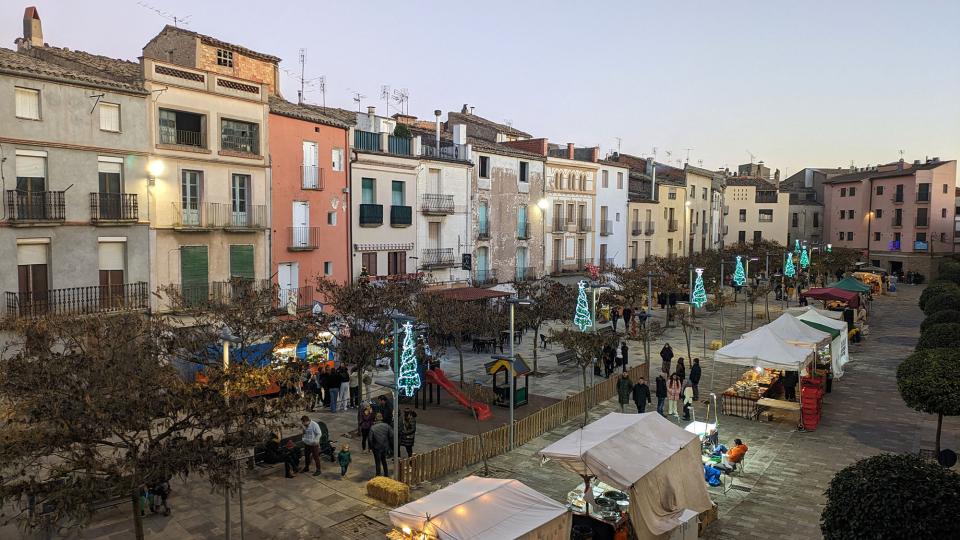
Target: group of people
x: 612, y: 359
x: 677, y: 390
x: 633, y: 318
x: 336, y: 388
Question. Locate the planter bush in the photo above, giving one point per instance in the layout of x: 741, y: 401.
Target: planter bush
x: 947, y: 300
x: 936, y: 288
x: 940, y: 336
x: 940, y: 317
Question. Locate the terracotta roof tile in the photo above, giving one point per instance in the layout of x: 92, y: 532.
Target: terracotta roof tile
x: 309, y: 113
x: 88, y: 70
x: 210, y: 40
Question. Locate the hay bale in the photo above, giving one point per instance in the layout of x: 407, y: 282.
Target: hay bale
x: 388, y: 491
x: 715, y: 344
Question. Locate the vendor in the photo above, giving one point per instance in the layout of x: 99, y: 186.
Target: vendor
x: 735, y: 454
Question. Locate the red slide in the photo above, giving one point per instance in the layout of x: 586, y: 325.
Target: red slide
x: 436, y: 376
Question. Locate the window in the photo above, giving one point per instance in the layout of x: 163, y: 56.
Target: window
x: 742, y: 236
x: 368, y: 263
x: 605, y: 179
x: 109, y: 117
x: 795, y: 220
x: 898, y: 197
x: 841, y: 236
x: 240, y: 199
x: 327, y: 268
x: 704, y: 193
x: 943, y: 237
x: 843, y: 192
x: 672, y: 194
x: 109, y: 196
x: 879, y: 213
x: 241, y: 261
x: 921, y: 237
x: 693, y: 191
x: 850, y: 214
x: 757, y: 237
x: 853, y: 191
x: 619, y: 180
x: 898, y: 217
x: 368, y: 191
x: 876, y: 237
x: 896, y: 237
x: 484, y: 167
x: 944, y: 188
x: 332, y: 218
x: 922, y: 220
x: 396, y: 263
x: 571, y: 213
x: 943, y: 212
x: 191, y: 187
x: 32, y: 274
x: 112, y: 258
x: 224, y: 58
x: 240, y: 136
x: 311, y: 173
x: 843, y: 214
x: 398, y: 198
x: 923, y: 192
x: 27, y: 103
x: 743, y: 215
x: 182, y: 128
x: 816, y: 219
x: 194, y: 274
x: 336, y: 157
x: 879, y: 190
x: 524, y: 171
x: 849, y: 236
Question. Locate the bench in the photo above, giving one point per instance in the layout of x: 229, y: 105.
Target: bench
x: 256, y: 461
x: 566, y: 357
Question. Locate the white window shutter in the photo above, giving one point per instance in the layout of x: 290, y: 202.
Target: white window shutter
x: 28, y: 103
x: 109, y: 117
x: 111, y: 256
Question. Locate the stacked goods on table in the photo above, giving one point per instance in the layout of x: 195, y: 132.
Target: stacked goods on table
x: 811, y: 401
x: 748, y: 389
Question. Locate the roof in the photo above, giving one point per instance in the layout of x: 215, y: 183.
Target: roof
x: 469, y: 294
x: 753, y: 181
x: 909, y: 169
x: 481, y: 145
x: 613, y: 164
x: 342, y: 115
x: 309, y: 113
x: 468, y: 118
x: 89, y: 70
x: 209, y: 40
x: 496, y: 366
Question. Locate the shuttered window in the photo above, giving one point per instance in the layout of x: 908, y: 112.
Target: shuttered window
x: 28, y: 103
x: 241, y: 261
x: 109, y: 116
x: 193, y: 273
x: 112, y: 255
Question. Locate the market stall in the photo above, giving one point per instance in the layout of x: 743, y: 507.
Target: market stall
x: 874, y: 281
x: 482, y: 509
x: 828, y: 294
x: 851, y: 284
x: 839, y: 347
x: 655, y: 463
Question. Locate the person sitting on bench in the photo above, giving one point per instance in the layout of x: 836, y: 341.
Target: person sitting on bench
x: 274, y: 453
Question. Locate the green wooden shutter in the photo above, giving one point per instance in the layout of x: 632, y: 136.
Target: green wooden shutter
x: 193, y: 273
x: 241, y: 261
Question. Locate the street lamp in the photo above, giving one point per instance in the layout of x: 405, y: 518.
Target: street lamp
x: 226, y: 338
x: 543, y: 204
x: 514, y: 302
x: 398, y: 319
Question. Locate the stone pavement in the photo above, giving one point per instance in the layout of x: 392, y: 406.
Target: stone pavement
x: 778, y: 496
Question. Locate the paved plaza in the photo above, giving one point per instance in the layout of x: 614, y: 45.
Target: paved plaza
x: 779, y: 495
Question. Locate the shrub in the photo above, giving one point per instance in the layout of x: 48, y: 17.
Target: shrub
x: 936, y: 288
x: 939, y: 336
x: 940, y: 317
x: 947, y: 300
x: 402, y: 131
x: 950, y: 271
x: 892, y: 496
x: 929, y: 381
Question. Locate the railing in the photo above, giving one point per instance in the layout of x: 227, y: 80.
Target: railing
x: 35, y: 205
x: 303, y: 238
x: 606, y: 227
x: 523, y: 231
x: 672, y: 225
x: 301, y: 296
x: 649, y: 228
x: 437, y: 204
x: 923, y: 196
x: 312, y: 177
x: 765, y: 197
x: 559, y: 224
x: 180, y: 137
x: 525, y: 273
x: 922, y: 223
x: 366, y: 140
x: 448, y: 151
x: 897, y: 198
x: 401, y: 216
x: 247, y: 144
x: 485, y: 277
x: 371, y: 215
x: 897, y: 222
x: 217, y: 293
x: 483, y: 230
x: 636, y: 229
x: 437, y: 258
x: 399, y: 145
x: 454, y: 457
x: 578, y: 265
x: 584, y: 225
x: 189, y: 216
x: 79, y: 300
x: 113, y: 207
x: 223, y: 216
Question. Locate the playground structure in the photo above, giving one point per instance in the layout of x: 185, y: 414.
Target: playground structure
x: 436, y: 376
x: 521, y: 369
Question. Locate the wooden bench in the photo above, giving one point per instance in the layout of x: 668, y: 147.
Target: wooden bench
x: 566, y: 357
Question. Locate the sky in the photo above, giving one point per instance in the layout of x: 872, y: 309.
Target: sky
x: 797, y: 84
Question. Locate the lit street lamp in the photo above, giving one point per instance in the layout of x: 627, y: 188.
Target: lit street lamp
x: 398, y: 319
x: 513, y: 302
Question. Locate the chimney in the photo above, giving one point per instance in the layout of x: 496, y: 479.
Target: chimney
x: 372, y: 117
x: 459, y: 134
x: 465, y: 109
x: 900, y: 165
x: 596, y: 154
x: 32, y: 29
x: 569, y: 150
x: 437, y: 113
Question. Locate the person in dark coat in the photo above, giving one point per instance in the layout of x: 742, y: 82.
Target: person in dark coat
x: 623, y: 353
x: 695, y: 378
x: 274, y: 453
x: 408, y: 430
x: 681, y: 370
x: 386, y: 409
x: 790, y: 380
x: 666, y: 354
x: 627, y: 318
x: 662, y: 300
x: 641, y: 395
x: 661, y: 393
x: 624, y: 389
x: 615, y: 317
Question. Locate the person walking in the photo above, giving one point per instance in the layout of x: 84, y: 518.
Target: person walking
x: 627, y: 318
x: 314, y: 390
x: 343, y: 375
x: 343, y: 458
x: 408, y: 430
x: 686, y: 396
x: 355, y: 388
x: 623, y: 354
x: 624, y: 389
x: 331, y: 387
x: 365, y: 422
x: 661, y: 393
x: 641, y: 395
x: 666, y: 355
x: 609, y: 356
x: 381, y: 443
x: 615, y: 316
x: 311, y: 444
x: 695, y: 378
x: 673, y: 395
x: 681, y: 369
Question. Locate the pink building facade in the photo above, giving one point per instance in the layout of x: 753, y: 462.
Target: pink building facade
x: 899, y: 215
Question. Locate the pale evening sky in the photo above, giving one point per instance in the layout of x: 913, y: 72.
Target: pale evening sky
x: 813, y: 83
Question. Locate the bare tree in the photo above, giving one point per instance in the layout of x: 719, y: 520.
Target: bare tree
x: 648, y: 333
x: 586, y: 346
x: 453, y: 321
x: 688, y: 326
x: 552, y: 301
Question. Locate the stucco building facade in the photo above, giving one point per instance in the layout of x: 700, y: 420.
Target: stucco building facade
x: 610, y: 229
x: 757, y: 211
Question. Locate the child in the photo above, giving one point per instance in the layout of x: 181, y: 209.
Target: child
x: 344, y: 459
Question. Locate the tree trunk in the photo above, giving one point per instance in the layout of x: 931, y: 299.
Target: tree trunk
x: 586, y: 407
x: 137, y: 518
x: 939, y: 427
x: 766, y: 305
x: 536, y: 337
x: 460, y: 353
x: 686, y: 337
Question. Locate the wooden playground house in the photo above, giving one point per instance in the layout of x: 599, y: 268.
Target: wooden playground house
x: 502, y: 389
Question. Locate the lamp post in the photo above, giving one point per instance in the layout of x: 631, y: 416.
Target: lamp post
x: 398, y: 319
x: 226, y: 338
x: 543, y: 204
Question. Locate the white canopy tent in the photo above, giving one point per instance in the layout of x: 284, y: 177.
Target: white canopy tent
x: 840, y: 347
x: 794, y: 332
x: 657, y: 462
x: 478, y: 508
x: 797, y: 311
x: 763, y: 348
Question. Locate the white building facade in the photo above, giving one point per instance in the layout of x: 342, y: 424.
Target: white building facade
x: 610, y: 229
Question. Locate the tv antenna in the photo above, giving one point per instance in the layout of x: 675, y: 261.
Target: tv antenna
x: 508, y: 122
x: 901, y: 153
x: 358, y: 98
x: 177, y: 20
x: 97, y: 97
x: 402, y: 97
x: 700, y: 163
x: 669, y: 155
x: 619, y: 141
x: 752, y: 157
x: 322, y: 85
x: 688, y: 155
x: 385, y: 96
x: 303, y: 61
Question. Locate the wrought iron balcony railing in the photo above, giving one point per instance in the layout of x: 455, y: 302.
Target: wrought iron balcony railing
x: 113, y: 207
x: 35, y: 206
x: 79, y: 300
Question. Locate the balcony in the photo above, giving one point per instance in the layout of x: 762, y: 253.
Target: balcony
x: 525, y: 273
x: 673, y: 225
x: 371, y: 215
x: 366, y: 140
x: 182, y: 137
x: 79, y: 300
x: 26, y: 207
x: 113, y: 207
x: 436, y: 204
x: 636, y: 229
x: 483, y: 230
x: 301, y: 297
x: 303, y: 238
x: 312, y: 177
x: 240, y: 143
x: 401, y: 216
x: 485, y: 277
x: 584, y: 225
x: 190, y: 216
x: 765, y: 197
x: 223, y: 216
x: 447, y: 151
x: 897, y: 198
x: 437, y: 258
x: 220, y: 293
x: 399, y: 145
x: 923, y: 196
x: 523, y: 231
x: 649, y: 228
x: 606, y: 227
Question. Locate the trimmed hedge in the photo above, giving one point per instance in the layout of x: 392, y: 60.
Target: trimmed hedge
x: 936, y: 288
x: 940, y: 336
x: 940, y: 317
x: 946, y: 300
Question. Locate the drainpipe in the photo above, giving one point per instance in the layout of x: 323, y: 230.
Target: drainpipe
x: 349, y: 191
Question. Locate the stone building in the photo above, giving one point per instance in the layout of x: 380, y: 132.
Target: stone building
x: 805, y: 189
